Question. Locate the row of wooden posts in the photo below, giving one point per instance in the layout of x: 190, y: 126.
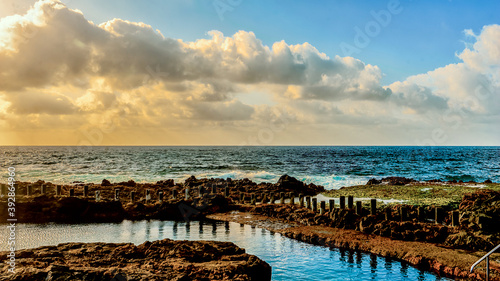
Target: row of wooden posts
x: 271, y: 198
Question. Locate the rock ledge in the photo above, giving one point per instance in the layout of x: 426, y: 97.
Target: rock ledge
x: 159, y: 260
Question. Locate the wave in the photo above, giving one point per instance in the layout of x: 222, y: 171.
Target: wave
x: 327, y: 181
x: 464, y: 178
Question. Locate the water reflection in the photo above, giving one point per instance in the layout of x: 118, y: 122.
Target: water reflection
x: 174, y: 228
x: 342, y: 255
x: 290, y: 259
x: 373, y: 263
x: 350, y: 258
x: 214, y: 229
x: 188, y: 229
x: 359, y: 259
x: 201, y: 228
x: 388, y: 264
x: 404, y: 269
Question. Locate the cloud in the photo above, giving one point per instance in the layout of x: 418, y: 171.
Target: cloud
x: 58, y: 66
x: 471, y: 87
x: 484, y: 57
x: 227, y: 111
x: 417, y: 97
x: 40, y: 103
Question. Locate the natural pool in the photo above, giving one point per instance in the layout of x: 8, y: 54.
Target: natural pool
x: 290, y: 259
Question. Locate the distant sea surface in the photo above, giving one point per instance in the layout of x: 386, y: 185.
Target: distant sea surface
x: 330, y: 166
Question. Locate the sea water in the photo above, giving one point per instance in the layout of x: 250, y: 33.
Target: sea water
x: 330, y: 166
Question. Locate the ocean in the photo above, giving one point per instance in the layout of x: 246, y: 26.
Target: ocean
x: 330, y: 166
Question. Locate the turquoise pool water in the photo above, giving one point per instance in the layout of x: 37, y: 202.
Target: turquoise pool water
x: 290, y: 259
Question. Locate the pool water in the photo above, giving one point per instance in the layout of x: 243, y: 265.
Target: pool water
x: 290, y: 259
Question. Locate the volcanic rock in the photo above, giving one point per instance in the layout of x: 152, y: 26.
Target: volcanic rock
x: 159, y: 260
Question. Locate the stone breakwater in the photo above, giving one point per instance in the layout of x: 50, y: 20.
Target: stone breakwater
x: 42, y: 202
x: 476, y: 227
x: 159, y: 260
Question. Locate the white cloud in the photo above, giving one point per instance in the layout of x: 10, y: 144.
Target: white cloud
x: 55, y: 63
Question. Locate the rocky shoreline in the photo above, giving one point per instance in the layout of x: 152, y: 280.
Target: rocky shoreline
x: 42, y: 202
x: 400, y: 231
x: 159, y: 260
x: 444, y: 261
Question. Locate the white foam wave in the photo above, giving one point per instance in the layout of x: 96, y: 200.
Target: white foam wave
x: 328, y: 181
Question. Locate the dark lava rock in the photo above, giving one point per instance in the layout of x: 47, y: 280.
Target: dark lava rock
x: 480, y: 211
x: 479, y: 217
x: 373, y: 181
x: 289, y: 183
x: 391, y: 181
x: 168, y: 183
x: 43, y: 208
x: 129, y: 183
x: 192, y: 181
x: 159, y: 260
x: 398, y: 180
x: 105, y: 182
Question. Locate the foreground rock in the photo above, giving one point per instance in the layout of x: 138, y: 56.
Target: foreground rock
x: 159, y: 260
x: 479, y: 221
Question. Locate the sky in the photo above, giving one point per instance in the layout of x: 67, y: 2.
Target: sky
x: 239, y: 72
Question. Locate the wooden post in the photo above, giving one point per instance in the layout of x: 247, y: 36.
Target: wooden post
x: 252, y: 199
x: 272, y: 198
x: 373, y: 207
x: 242, y: 198
x: 148, y: 195
x: 404, y: 213
x: 43, y: 189
x: 292, y: 199
x: 28, y: 190
x: 301, y: 200
x: 186, y: 195
x: 455, y: 216
x: 97, y: 195
x: 342, y: 202
x: 85, y: 190
x: 71, y: 192
x: 58, y: 190
x: 421, y: 213
x: 359, y: 208
x: 388, y: 213
x: 282, y: 199
x: 315, y: 204
x: 308, y: 202
x: 322, y: 207
x: 201, y: 190
x: 226, y: 191
x: 264, y: 198
x: 117, y: 194
x: 437, y: 215
x: 160, y: 196
x: 350, y: 202
x: 331, y: 205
